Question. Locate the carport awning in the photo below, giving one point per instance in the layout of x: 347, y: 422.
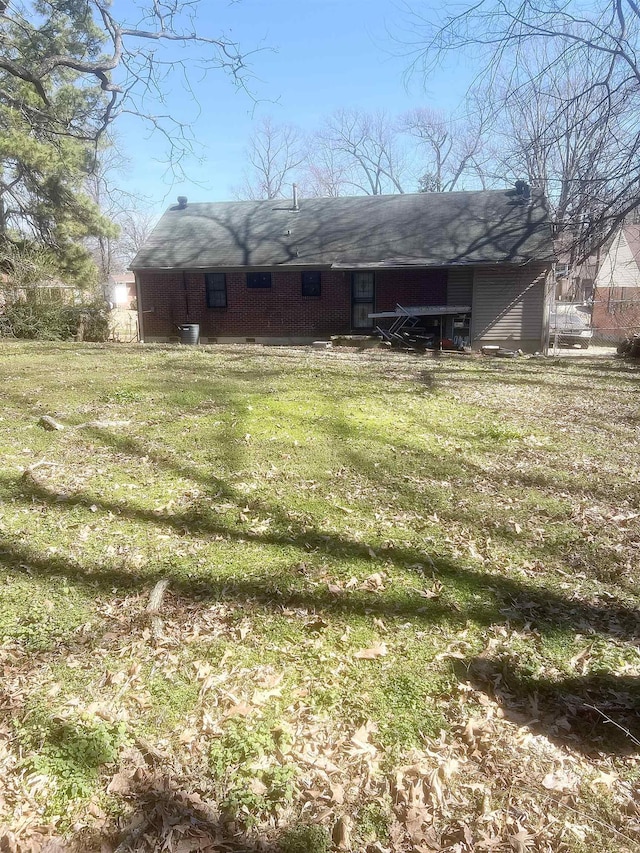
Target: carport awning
x: 422, y: 311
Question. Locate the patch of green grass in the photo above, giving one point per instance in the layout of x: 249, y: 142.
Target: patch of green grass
x: 404, y: 700
x: 172, y: 700
x: 251, y: 781
x: 305, y: 839
x: 40, y: 613
x: 305, y: 506
x: 373, y: 822
x: 123, y: 395
x: 71, y: 752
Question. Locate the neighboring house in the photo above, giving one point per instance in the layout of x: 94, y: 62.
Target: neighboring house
x: 288, y: 272
x: 575, y: 284
x: 616, y: 294
x: 120, y: 293
x: 51, y: 290
x: 120, y: 290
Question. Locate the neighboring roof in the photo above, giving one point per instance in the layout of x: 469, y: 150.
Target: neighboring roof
x: 421, y: 229
x: 122, y: 278
x: 632, y: 236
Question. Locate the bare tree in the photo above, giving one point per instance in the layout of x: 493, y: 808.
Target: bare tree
x: 326, y: 174
x: 601, y: 42
x: 42, y: 44
x: 136, y: 224
x: 566, y: 141
x: 450, y: 149
x: 361, y: 152
x: 274, y: 153
x: 129, y: 212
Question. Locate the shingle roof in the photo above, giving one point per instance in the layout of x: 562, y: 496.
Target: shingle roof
x: 422, y: 229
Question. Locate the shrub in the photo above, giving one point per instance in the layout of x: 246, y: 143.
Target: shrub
x: 70, y: 753
x: 305, y: 839
x: 55, y: 321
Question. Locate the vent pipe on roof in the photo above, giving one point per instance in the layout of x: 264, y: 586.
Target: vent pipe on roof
x: 182, y: 202
x: 296, y: 206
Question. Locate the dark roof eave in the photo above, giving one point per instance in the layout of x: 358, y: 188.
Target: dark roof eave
x: 233, y: 267
x: 338, y: 267
x: 425, y: 264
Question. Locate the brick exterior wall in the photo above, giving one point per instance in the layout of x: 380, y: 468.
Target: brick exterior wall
x: 410, y: 287
x: 279, y: 311
x: 616, y: 313
x: 508, y: 304
x: 169, y: 299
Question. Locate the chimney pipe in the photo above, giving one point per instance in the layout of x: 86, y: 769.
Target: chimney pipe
x: 295, y: 197
x: 182, y: 202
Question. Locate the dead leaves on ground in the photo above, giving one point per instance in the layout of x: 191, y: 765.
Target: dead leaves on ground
x: 452, y: 796
x: 488, y: 790
x: 378, y: 650
x: 376, y: 582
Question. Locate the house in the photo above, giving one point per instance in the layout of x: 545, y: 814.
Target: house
x: 120, y: 290
x: 120, y: 293
x: 290, y: 272
x: 616, y: 293
x: 48, y: 290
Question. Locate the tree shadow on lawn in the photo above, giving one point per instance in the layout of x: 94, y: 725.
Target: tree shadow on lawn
x: 468, y: 595
x: 494, y: 599
x: 435, y: 378
x: 595, y: 713
x: 539, y: 374
x: 230, y: 452
x: 166, y: 812
x: 202, y: 520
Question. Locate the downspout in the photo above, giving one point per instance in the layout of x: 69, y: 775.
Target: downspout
x: 186, y: 295
x: 472, y: 324
x: 139, y: 306
x: 549, y: 294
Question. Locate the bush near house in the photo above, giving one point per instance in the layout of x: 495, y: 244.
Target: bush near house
x: 53, y: 320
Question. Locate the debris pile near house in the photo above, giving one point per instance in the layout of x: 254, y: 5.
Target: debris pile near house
x: 425, y: 327
x: 359, y: 341
x: 500, y: 352
x: 629, y: 347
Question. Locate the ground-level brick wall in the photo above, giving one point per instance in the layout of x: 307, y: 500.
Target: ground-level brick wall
x: 616, y: 313
x: 169, y: 299
x: 410, y: 287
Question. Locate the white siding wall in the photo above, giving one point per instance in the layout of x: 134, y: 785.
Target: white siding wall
x: 509, y: 306
x: 619, y: 268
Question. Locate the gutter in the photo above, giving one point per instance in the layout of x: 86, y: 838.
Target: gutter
x: 186, y: 294
x: 342, y: 267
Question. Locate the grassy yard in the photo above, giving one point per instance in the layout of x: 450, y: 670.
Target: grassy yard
x: 401, y: 610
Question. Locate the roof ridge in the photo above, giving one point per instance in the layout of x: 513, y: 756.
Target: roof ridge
x: 364, y: 196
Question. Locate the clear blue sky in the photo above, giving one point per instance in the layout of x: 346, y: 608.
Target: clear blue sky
x: 319, y: 56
